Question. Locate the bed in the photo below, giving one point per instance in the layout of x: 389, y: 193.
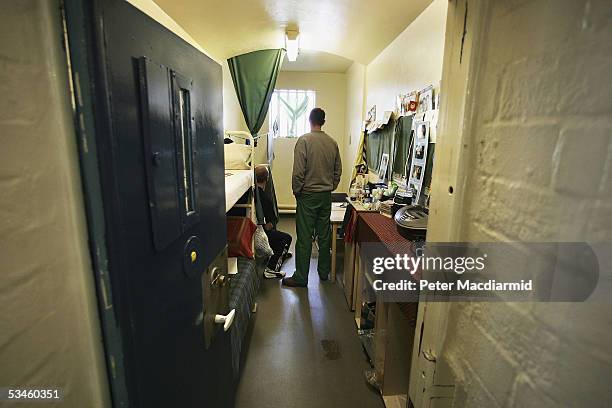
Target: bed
x: 245, y: 281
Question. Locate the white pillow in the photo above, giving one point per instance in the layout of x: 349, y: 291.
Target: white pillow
x: 237, y: 156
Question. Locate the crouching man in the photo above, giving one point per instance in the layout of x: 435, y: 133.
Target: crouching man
x: 279, y: 241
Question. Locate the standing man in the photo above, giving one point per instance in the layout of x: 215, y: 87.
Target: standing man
x: 316, y: 173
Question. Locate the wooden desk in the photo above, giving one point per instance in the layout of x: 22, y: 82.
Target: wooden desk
x: 359, y: 206
x: 336, y: 217
x: 394, y: 324
x: 351, y: 258
x: 375, y: 228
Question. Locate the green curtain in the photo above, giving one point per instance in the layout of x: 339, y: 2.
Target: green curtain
x: 378, y: 142
x: 403, y: 139
x: 254, y: 75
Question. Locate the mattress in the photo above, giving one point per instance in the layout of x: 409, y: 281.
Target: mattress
x: 243, y: 290
x: 237, y: 182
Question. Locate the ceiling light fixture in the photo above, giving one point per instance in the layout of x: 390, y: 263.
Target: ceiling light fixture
x: 292, y: 44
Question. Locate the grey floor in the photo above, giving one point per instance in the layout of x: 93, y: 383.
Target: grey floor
x: 303, y: 350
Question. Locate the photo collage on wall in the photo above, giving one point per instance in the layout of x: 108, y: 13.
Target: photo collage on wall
x: 419, y: 158
x: 416, y: 102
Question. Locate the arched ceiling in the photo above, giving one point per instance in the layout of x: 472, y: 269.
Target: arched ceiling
x: 355, y: 30
x: 318, y: 61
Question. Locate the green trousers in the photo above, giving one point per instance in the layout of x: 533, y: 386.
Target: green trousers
x: 312, y: 219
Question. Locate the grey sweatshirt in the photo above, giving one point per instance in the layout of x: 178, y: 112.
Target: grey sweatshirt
x: 316, y: 164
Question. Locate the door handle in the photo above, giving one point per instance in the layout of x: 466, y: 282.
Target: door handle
x: 226, y: 320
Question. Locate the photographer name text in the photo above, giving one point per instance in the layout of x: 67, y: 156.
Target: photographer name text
x: 467, y: 285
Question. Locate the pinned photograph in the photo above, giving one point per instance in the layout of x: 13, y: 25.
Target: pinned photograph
x: 382, y: 169
x: 419, y: 152
x: 426, y: 100
x: 372, y: 114
x: 423, y: 131
x: 399, y: 104
x: 417, y: 171
x: 411, y: 102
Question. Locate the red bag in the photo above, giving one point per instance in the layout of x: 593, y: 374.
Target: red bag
x: 240, y: 232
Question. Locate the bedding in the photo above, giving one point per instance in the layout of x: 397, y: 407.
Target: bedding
x: 243, y: 290
x: 237, y: 156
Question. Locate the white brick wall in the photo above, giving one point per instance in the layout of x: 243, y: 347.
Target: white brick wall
x: 540, y: 169
x: 49, y: 326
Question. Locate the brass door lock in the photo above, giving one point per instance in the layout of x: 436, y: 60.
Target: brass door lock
x: 217, y: 279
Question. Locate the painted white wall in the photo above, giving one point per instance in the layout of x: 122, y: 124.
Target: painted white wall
x: 150, y: 8
x: 331, y: 97
x: 50, y: 331
x: 539, y: 168
x: 233, y: 119
x: 411, y: 62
